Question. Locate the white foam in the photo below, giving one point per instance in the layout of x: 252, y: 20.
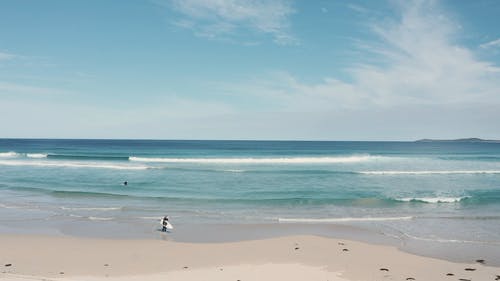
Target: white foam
x: 8, y: 206
x: 71, y: 165
x: 434, y: 199
x: 442, y: 240
x: 283, y: 160
x: 430, y: 172
x: 36, y: 155
x: 149, y: 218
x: 9, y: 154
x: 334, y: 220
x: 91, y: 208
x: 100, y: 218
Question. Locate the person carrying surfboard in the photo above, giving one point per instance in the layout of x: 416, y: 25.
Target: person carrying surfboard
x: 164, y: 223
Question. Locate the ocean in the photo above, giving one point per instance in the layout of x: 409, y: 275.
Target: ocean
x: 441, y: 192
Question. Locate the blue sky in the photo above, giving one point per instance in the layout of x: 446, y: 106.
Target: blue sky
x: 213, y: 69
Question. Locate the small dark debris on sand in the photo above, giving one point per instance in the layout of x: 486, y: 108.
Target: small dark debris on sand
x: 341, y: 243
x: 470, y: 269
x: 498, y: 277
x: 296, y: 248
x: 221, y: 269
x: 462, y: 279
x: 106, y: 264
x: 410, y: 278
x: 345, y: 250
x: 480, y: 261
x: 8, y: 264
x: 384, y: 269
x: 61, y: 272
x: 450, y: 274
x: 185, y: 267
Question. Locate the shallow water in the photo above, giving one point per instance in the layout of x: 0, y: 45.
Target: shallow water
x: 447, y: 194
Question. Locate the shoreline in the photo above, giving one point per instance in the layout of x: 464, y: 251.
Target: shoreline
x: 232, y: 233
x: 290, y: 257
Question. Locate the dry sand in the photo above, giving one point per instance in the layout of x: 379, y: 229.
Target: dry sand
x: 285, y: 258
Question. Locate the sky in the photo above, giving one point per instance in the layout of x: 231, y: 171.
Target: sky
x: 250, y: 69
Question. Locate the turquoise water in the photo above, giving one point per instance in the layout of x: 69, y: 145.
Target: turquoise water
x: 445, y: 192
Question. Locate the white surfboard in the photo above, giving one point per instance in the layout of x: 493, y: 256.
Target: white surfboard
x: 169, y: 226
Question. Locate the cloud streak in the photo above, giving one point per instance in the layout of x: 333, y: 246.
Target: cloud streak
x: 224, y: 19
x: 418, y: 63
x: 491, y: 44
x: 6, y: 56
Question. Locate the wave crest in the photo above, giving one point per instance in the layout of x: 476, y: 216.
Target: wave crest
x: 430, y: 172
x: 283, y: 160
x: 9, y: 154
x: 434, y: 199
x: 71, y: 165
x: 36, y: 155
x: 334, y: 220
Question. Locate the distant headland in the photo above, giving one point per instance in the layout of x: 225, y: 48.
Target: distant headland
x: 468, y: 140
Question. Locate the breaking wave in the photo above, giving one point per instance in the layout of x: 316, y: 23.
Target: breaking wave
x: 430, y: 172
x: 434, y: 199
x: 36, y: 155
x: 283, y: 160
x: 71, y: 165
x: 9, y: 154
x: 335, y: 220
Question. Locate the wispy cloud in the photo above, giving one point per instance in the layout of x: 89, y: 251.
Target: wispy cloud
x: 6, y: 56
x: 491, y: 44
x: 11, y: 90
x: 358, y: 8
x: 418, y: 63
x: 224, y: 19
x: 412, y: 80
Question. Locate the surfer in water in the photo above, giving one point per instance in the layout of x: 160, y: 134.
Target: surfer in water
x: 164, y: 223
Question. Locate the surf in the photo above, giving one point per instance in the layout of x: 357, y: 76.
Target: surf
x: 254, y: 160
x: 450, y: 172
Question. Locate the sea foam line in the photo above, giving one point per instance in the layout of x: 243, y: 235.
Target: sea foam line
x: 442, y: 240
x: 430, y: 172
x: 332, y: 220
x: 36, y: 155
x: 100, y: 218
x: 283, y: 160
x: 434, y: 199
x: 91, y: 208
x: 9, y: 154
x: 71, y: 165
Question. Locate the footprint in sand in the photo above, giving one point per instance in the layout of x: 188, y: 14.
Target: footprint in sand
x: 384, y: 269
x: 470, y: 269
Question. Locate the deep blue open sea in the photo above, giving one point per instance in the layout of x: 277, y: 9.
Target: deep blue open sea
x: 439, y: 191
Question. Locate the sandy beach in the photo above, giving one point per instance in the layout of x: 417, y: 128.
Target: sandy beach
x: 285, y: 258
